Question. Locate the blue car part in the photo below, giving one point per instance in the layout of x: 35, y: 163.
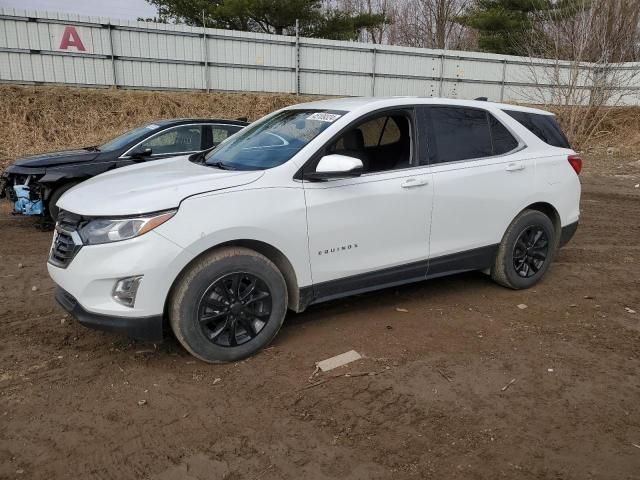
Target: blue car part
x: 23, y: 204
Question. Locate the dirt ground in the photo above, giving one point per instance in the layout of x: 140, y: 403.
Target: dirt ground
x: 464, y: 384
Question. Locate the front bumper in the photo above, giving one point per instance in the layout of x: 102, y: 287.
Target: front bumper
x: 141, y: 328
x: 89, y: 278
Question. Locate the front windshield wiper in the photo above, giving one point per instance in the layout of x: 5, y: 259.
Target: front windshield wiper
x: 221, y: 165
x: 92, y: 148
x: 197, y: 157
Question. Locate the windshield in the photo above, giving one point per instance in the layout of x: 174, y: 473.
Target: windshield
x: 128, y: 137
x: 272, y: 141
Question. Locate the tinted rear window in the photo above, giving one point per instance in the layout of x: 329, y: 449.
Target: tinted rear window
x: 545, y: 127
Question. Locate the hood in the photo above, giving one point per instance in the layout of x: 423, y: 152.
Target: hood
x: 55, y: 158
x: 149, y: 187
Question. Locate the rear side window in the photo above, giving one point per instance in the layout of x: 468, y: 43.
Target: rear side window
x: 459, y: 134
x: 545, y: 127
x: 502, y: 140
x: 214, y: 135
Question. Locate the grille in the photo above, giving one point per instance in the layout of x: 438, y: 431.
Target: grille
x: 68, y: 221
x: 66, y: 241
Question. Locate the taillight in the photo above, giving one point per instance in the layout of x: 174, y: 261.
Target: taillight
x: 576, y: 163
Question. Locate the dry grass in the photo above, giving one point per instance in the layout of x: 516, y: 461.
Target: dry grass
x: 619, y: 129
x: 41, y: 119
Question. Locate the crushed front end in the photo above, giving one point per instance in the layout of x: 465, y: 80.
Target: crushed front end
x: 23, y: 191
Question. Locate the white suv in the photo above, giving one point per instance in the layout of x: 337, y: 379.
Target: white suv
x: 311, y: 203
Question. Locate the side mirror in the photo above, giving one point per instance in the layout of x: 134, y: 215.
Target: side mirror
x: 336, y: 166
x: 141, y: 153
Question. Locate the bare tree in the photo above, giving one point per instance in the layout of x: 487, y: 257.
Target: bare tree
x: 430, y: 24
x: 581, y: 72
x: 414, y: 23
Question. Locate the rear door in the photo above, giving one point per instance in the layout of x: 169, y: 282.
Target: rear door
x: 481, y: 178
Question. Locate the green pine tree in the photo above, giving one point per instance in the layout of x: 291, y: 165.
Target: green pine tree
x: 500, y: 22
x: 269, y: 16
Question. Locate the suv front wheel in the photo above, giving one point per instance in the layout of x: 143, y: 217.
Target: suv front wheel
x: 526, y: 251
x: 228, y: 305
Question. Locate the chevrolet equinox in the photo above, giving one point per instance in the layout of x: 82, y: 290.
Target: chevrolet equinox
x: 311, y: 203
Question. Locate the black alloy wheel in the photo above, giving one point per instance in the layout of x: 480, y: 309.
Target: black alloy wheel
x: 526, y: 250
x: 530, y: 251
x: 235, y: 309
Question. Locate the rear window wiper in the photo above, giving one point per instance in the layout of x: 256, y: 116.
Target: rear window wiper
x: 92, y: 148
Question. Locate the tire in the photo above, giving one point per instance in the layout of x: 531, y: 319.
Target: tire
x: 55, y: 196
x: 519, y: 263
x: 200, y: 294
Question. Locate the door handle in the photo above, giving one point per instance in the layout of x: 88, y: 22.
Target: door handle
x: 414, y: 182
x: 514, y: 167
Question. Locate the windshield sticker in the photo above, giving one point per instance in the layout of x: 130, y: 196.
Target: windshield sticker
x: 324, y: 117
x: 152, y: 126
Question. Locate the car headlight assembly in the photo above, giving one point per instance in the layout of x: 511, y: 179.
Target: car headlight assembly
x: 107, y: 230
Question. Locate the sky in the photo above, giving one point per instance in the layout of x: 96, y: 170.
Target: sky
x: 123, y: 9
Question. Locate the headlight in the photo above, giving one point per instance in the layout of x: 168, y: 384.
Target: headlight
x: 106, y: 230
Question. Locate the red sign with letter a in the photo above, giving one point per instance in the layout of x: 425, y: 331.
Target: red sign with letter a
x: 71, y: 38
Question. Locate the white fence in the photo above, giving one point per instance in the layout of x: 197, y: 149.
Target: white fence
x: 43, y: 48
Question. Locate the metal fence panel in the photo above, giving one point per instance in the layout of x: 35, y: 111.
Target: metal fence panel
x: 41, y: 47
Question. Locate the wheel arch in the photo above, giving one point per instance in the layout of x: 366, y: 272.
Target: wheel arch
x: 551, y: 212
x: 51, y: 186
x: 276, y: 256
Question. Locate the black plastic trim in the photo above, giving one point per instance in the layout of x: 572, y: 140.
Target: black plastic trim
x: 475, y: 259
x: 365, y: 282
x: 567, y: 233
x: 148, y: 329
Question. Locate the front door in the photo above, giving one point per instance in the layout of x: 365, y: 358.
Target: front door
x: 371, y: 230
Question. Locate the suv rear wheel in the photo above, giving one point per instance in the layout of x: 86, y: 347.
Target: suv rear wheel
x: 526, y: 251
x: 228, y: 305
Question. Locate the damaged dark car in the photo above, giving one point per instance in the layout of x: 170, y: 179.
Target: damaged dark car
x: 35, y: 183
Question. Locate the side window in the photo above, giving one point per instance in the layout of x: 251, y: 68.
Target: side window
x: 382, y: 143
x: 215, y: 134
x: 502, y: 140
x: 459, y: 134
x: 391, y: 133
x: 372, y: 131
x: 219, y: 134
x: 176, y: 140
